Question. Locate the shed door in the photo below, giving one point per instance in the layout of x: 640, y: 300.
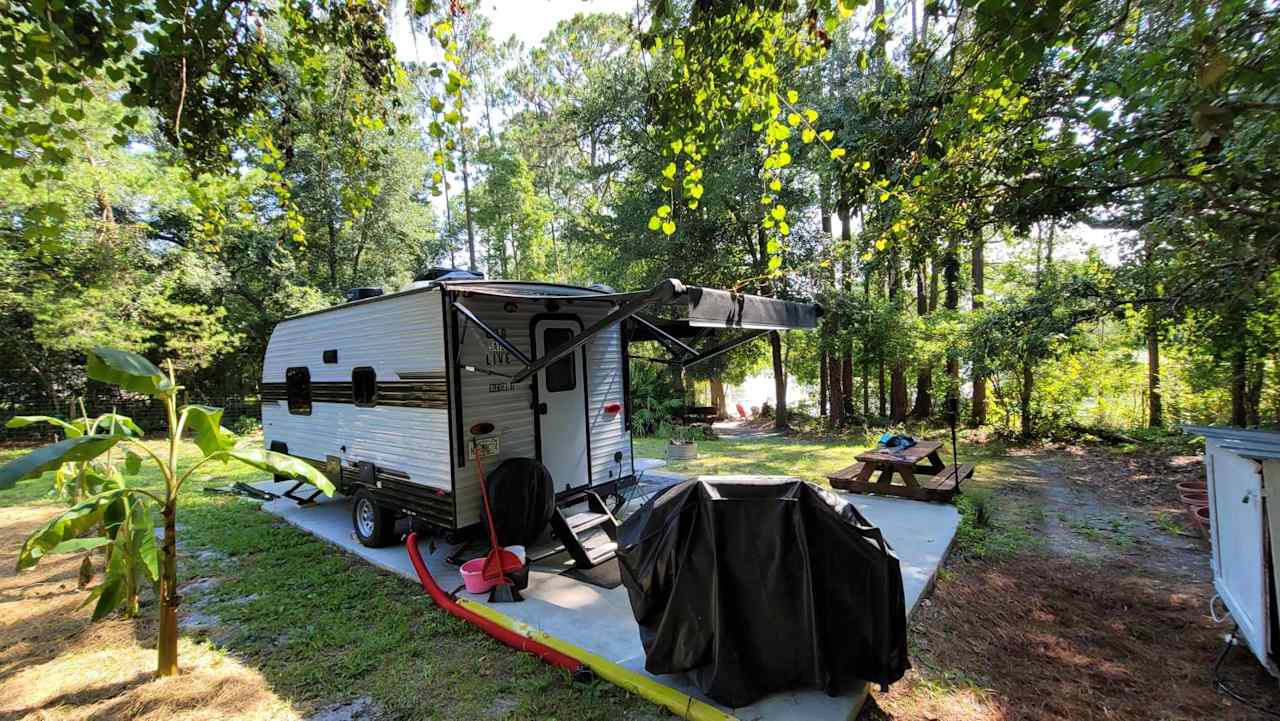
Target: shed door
x: 562, y: 406
x: 1235, y: 524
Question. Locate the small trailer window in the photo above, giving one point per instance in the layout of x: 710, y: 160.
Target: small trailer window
x: 364, y: 386
x: 561, y: 375
x: 298, y: 389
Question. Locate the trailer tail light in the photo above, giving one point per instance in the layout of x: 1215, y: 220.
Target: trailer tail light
x: 612, y: 408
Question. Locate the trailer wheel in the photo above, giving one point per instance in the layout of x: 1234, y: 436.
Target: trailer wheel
x: 375, y: 525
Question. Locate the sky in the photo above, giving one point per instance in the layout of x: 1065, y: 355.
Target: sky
x: 528, y: 20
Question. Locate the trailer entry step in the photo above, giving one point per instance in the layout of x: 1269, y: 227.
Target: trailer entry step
x: 591, y: 536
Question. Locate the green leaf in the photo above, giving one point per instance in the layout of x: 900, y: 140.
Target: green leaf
x: 779, y: 212
x: 132, y: 463
x: 144, y: 544
x: 48, y: 458
x: 669, y: 172
x: 664, y: 211
x: 104, y: 423
x: 114, y: 587
x: 129, y: 371
x: 20, y: 421
x: 76, y: 545
x: 282, y: 465
x: 668, y: 227
x: 206, y: 423
x: 70, y: 524
x: 654, y: 222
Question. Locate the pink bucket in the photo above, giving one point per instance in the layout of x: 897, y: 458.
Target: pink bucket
x: 473, y: 571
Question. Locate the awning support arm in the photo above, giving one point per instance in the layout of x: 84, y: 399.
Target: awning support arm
x: 725, y: 347
x: 660, y: 293
x: 506, y: 345
x: 670, y: 339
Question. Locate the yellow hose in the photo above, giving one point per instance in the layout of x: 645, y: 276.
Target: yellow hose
x: 678, y: 702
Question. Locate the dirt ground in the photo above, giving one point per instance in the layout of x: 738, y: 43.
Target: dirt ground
x: 1106, y: 618
x: 55, y: 665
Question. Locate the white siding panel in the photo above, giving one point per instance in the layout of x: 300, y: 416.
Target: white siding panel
x: 510, y: 408
x: 492, y: 399
x: 399, y: 334
x: 608, y: 430
x: 412, y: 440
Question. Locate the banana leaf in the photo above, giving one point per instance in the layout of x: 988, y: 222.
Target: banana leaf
x: 50, y: 457
x: 206, y: 423
x: 68, y: 525
x: 283, y: 465
x: 129, y: 371
x: 70, y: 429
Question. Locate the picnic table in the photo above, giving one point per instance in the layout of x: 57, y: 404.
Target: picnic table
x: 923, y: 474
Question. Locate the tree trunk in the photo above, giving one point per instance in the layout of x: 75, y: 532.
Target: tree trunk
x: 779, y: 382
x: 1024, y: 398
x: 835, y: 393
x: 169, y: 599
x: 898, y: 371
x: 866, y: 389
x: 1155, y: 404
x: 1239, y: 406
x: 822, y: 384
x: 923, y: 407
x: 880, y: 389
x: 846, y: 379
x: 951, y: 280
x: 1253, y: 394
x: 466, y: 204
x: 717, y: 398
x: 979, y: 413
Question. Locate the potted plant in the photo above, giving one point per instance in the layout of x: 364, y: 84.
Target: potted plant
x: 683, y: 445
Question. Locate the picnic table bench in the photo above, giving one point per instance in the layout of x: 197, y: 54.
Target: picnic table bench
x: 936, y: 480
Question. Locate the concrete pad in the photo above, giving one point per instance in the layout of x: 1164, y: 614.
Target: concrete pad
x: 599, y: 620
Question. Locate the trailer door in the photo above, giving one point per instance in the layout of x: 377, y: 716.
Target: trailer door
x: 561, y: 406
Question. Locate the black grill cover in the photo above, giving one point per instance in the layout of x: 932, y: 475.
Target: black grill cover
x: 522, y: 497
x: 755, y: 586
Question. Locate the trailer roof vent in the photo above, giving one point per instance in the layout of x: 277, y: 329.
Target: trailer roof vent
x: 361, y: 293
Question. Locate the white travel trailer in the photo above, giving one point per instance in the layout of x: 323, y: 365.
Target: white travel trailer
x: 393, y: 396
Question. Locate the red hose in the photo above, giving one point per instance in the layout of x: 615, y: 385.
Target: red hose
x: 505, y: 635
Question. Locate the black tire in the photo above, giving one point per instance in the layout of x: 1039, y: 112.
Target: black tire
x: 374, y: 525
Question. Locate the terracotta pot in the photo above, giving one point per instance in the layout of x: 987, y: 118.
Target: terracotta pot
x: 1191, y: 487
x: 1195, y: 498
x: 1201, y: 514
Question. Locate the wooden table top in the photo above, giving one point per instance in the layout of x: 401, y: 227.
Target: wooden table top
x: 911, y: 455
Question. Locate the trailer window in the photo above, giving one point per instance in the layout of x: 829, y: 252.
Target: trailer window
x: 561, y: 375
x: 364, y: 386
x: 297, y: 383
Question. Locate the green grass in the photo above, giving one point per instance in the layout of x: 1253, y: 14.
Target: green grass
x: 999, y: 525
x: 324, y: 626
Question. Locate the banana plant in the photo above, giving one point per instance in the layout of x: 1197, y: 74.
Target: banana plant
x: 81, y: 479
x: 124, y: 512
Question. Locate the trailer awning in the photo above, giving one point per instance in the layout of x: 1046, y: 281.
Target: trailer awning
x: 705, y: 309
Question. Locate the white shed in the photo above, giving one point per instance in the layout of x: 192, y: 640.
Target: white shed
x: 1243, y: 470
